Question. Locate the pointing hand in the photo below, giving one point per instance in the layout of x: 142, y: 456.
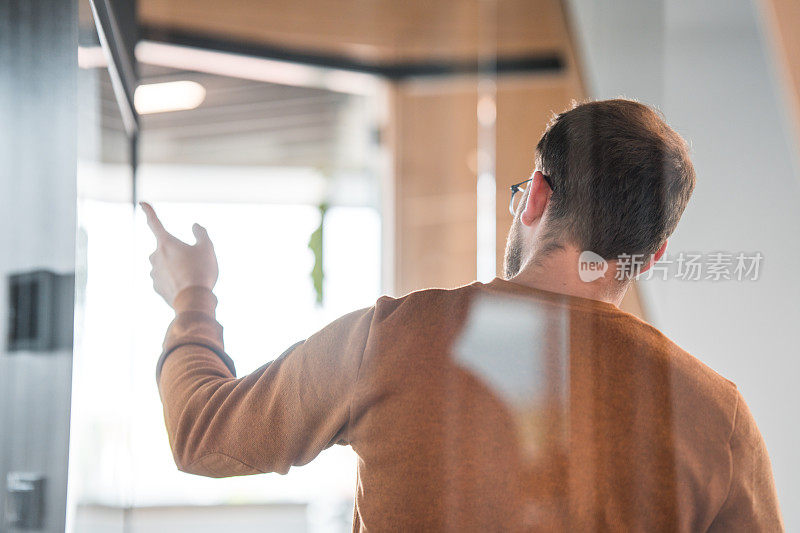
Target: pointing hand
x: 177, y: 265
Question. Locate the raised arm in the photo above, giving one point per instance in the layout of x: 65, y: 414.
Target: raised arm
x: 282, y: 414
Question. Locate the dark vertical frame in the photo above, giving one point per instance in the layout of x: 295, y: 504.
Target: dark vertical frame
x: 118, y: 32
x: 118, y: 43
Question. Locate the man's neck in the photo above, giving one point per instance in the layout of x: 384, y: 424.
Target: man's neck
x: 558, y: 272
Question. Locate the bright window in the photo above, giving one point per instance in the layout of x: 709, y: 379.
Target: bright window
x: 267, y: 303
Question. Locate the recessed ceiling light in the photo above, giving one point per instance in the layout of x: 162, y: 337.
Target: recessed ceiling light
x: 168, y: 96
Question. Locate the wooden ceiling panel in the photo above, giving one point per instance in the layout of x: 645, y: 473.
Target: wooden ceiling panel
x: 371, y: 30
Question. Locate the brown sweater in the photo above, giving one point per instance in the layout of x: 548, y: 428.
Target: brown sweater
x: 622, y: 430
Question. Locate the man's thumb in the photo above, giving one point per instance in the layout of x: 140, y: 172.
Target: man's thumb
x: 200, y: 234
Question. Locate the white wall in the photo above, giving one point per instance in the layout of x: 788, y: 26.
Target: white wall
x: 708, y: 66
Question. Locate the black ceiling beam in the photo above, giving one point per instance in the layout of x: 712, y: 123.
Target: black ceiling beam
x: 549, y: 62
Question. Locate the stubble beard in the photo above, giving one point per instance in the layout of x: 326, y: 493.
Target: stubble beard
x: 512, y: 261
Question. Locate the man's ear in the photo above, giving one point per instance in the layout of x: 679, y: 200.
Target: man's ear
x: 538, y: 196
x: 656, y: 256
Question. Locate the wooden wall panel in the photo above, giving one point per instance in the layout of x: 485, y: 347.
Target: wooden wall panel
x: 433, y: 134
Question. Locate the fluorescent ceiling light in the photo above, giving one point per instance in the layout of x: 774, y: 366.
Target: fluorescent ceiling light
x: 169, y: 96
x: 255, y: 68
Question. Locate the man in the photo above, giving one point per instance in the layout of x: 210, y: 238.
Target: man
x: 622, y: 431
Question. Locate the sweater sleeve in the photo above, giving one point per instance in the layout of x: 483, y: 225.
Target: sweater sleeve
x: 283, y: 414
x: 752, y: 502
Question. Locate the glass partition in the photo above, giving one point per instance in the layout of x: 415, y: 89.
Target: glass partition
x: 339, y: 152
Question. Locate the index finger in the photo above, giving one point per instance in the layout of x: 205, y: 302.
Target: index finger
x: 155, y: 224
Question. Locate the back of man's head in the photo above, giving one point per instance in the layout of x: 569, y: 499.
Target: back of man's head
x: 622, y: 178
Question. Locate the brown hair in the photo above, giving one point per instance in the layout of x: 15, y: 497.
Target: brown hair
x: 622, y: 178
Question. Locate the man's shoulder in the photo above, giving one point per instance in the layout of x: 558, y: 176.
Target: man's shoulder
x: 691, y: 378
x: 428, y: 298
x: 681, y: 359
